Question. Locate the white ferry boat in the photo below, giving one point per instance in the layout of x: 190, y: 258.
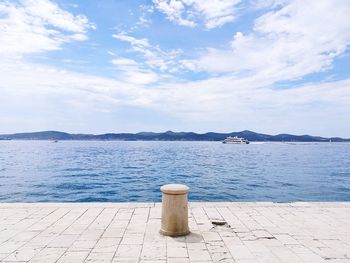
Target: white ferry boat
x: 235, y: 140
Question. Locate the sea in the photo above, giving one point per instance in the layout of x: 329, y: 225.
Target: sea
x: 125, y: 171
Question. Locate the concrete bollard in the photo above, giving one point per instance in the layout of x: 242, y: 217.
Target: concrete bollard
x: 174, y: 210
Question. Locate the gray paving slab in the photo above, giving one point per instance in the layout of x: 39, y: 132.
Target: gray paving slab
x: 129, y: 232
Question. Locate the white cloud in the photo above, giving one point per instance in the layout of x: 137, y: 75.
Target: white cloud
x: 223, y: 103
x: 131, y: 72
x: 47, y: 82
x: 268, y: 4
x: 132, y: 40
x: 140, y: 77
x: 30, y: 26
x: 50, y: 13
x: 300, y: 38
x: 285, y: 43
x: 213, y: 13
x: 153, y: 56
x: 124, y: 62
x: 144, y: 20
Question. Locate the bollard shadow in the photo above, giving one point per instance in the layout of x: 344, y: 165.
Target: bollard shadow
x: 190, y: 238
x: 194, y: 238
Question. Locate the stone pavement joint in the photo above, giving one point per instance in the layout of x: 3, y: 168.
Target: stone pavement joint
x: 260, y: 232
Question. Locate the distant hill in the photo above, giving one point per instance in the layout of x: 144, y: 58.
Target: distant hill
x: 168, y: 136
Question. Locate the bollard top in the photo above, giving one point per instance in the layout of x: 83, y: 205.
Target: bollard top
x: 175, y: 189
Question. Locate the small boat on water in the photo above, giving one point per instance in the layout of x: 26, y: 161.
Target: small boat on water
x: 235, y: 140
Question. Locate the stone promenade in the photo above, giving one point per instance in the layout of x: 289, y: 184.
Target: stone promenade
x: 128, y: 232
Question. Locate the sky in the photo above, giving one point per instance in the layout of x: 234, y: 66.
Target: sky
x: 86, y: 66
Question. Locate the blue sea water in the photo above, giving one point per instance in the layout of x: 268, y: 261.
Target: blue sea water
x: 88, y: 171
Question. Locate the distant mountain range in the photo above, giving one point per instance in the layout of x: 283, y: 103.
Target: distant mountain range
x: 168, y: 136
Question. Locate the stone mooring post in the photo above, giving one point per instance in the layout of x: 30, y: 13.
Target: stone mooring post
x: 174, y: 210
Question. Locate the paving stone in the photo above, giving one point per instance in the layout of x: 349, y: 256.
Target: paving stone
x: 152, y: 261
x: 221, y: 257
x: 132, y: 239
x: 63, y: 241
x: 211, y: 236
x: 199, y: 255
x: 285, y: 255
x: 128, y: 252
x: 177, y: 252
x: 267, y: 257
x: 240, y: 252
x: 106, y: 245
x: 10, y: 246
x: 178, y: 260
x: 286, y: 239
x: 261, y: 232
x: 100, y: 257
x: 74, y: 256
x: 23, y: 254
x: 48, y: 255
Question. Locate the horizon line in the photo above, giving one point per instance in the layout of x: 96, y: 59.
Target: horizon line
x: 168, y: 131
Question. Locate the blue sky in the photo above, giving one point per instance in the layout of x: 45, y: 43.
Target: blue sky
x: 273, y: 66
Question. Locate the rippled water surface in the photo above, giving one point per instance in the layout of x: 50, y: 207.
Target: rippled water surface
x: 87, y: 171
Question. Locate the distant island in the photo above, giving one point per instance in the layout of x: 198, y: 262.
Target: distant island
x: 168, y: 136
